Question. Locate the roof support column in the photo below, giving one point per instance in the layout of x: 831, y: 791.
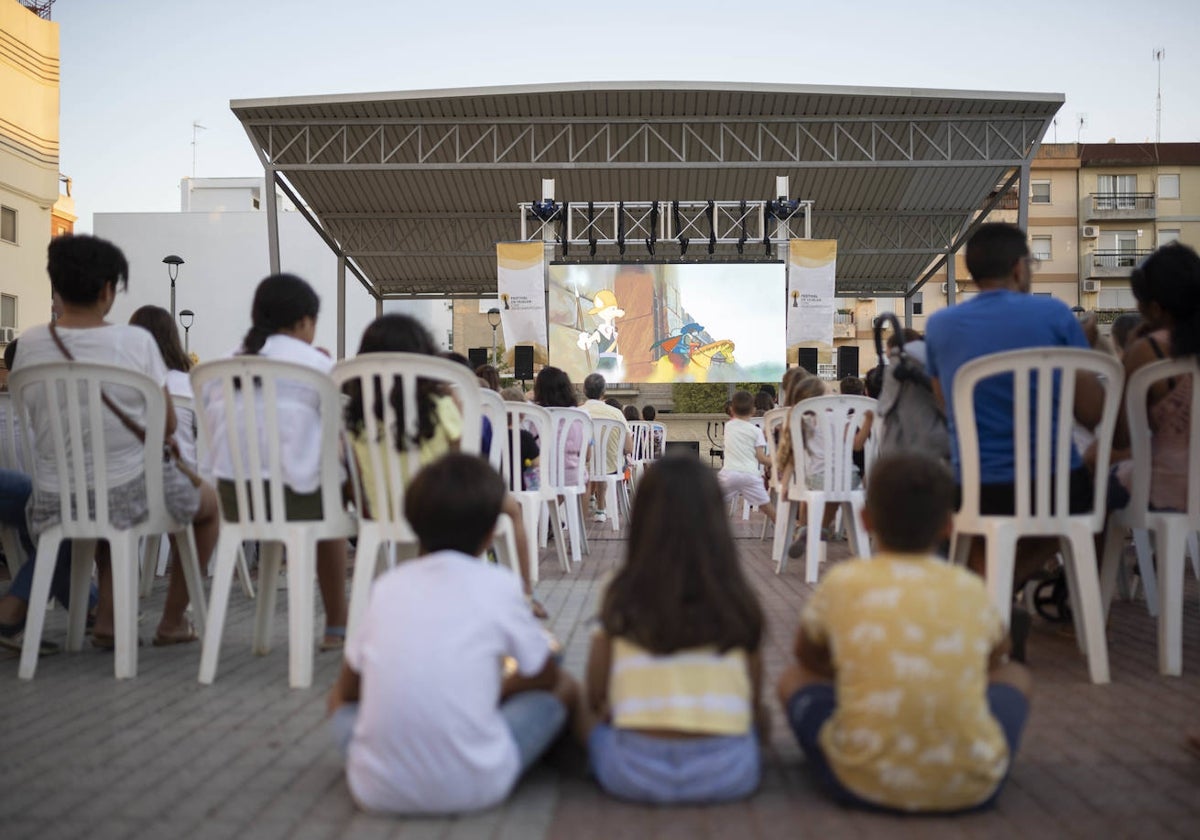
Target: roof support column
x: 1023, y: 198
x: 341, y: 306
x: 951, y: 280
x: 272, y: 219
x: 908, y: 311
x: 379, y: 306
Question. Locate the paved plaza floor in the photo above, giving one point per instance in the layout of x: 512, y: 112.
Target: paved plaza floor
x: 83, y: 755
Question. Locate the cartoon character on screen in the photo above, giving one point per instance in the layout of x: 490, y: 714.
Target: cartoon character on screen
x: 679, y: 347
x: 604, y: 336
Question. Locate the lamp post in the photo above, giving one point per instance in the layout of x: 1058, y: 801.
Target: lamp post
x: 173, y: 262
x: 186, y: 317
x: 494, y: 320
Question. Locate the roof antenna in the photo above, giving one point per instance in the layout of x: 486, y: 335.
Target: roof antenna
x: 1159, y: 54
x: 1080, y: 125
x: 195, y: 127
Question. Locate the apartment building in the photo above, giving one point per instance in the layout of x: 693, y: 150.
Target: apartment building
x: 1095, y: 210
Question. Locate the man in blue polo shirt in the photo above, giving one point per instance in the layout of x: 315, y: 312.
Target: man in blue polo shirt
x: 1004, y: 316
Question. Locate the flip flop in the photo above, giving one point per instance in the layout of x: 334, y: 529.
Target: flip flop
x: 334, y: 639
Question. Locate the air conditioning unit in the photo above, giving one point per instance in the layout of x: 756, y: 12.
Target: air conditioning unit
x: 7, y: 335
x: 1089, y: 231
x: 1091, y: 286
x: 946, y: 288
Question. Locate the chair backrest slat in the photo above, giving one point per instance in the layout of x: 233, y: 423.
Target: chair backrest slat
x: 566, y: 420
x: 1142, y: 438
x: 838, y: 420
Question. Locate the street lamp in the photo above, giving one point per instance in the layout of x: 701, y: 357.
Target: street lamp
x: 494, y: 320
x: 173, y: 262
x: 186, y: 317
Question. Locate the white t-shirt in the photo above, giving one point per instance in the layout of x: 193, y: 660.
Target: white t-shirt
x: 298, y: 411
x: 121, y: 345
x: 742, y: 439
x: 429, y: 737
x: 179, y: 385
x: 604, y: 411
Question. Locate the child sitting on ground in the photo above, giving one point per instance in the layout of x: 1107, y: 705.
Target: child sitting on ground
x: 674, y: 675
x: 901, y: 696
x: 421, y: 710
x: 745, y: 450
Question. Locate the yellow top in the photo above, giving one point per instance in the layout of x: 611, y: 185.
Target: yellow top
x: 696, y: 690
x: 909, y: 638
x: 447, y: 428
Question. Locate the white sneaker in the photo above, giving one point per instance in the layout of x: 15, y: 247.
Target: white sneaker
x: 599, y: 516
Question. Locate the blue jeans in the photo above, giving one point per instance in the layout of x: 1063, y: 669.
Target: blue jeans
x: 811, y: 706
x: 664, y: 771
x: 534, y: 719
x: 15, y: 490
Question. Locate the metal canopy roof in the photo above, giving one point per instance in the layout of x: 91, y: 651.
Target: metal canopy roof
x: 415, y: 188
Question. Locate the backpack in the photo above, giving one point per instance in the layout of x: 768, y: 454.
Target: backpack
x: 911, y: 418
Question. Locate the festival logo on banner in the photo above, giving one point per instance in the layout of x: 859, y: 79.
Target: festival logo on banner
x: 810, y: 303
x: 521, y: 284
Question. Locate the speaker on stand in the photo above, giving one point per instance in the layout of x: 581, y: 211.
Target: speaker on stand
x: 523, y: 363
x: 478, y: 356
x: 808, y: 359
x: 847, y: 361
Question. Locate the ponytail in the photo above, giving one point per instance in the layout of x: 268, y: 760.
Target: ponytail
x: 1170, y: 277
x: 280, y: 302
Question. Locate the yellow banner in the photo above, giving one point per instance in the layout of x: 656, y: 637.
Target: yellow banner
x: 521, y: 285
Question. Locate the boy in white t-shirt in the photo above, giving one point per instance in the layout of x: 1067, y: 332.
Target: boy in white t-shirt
x: 422, y: 711
x: 745, y: 450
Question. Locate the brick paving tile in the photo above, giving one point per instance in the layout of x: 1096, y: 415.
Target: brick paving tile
x: 161, y: 756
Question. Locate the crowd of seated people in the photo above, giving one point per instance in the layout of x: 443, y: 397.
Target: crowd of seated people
x: 426, y: 713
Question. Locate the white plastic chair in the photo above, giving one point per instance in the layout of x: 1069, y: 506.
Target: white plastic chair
x: 494, y: 410
x: 13, y: 456
x: 642, y: 433
x: 536, y: 420
x: 1041, y: 510
x: 71, y: 420
x: 772, y: 426
x: 245, y: 390
x: 567, y: 420
x: 615, y: 492
x: 838, y: 419
x: 1172, y: 530
x: 383, y: 524
x: 154, y: 559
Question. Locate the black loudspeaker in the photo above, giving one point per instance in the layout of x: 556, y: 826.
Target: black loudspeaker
x: 847, y: 361
x: 478, y: 356
x: 808, y: 359
x: 523, y: 362
x: 686, y: 448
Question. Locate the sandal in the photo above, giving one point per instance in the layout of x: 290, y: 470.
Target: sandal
x: 335, y: 639
x: 16, y: 641
x: 186, y: 637
x: 539, y: 612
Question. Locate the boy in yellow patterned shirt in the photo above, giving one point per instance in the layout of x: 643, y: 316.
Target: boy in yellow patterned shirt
x: 902, y: 697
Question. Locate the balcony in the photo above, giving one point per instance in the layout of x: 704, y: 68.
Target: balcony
x: 1115, y: 263
x: 1102, y: 206
x: 843, y: 325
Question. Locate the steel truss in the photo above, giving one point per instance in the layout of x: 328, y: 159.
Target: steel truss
x: 804, y: 142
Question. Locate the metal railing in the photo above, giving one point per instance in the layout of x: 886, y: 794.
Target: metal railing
x: 1123, y: 201
x: 1117, y: 259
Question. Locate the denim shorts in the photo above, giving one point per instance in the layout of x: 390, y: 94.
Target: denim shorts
x: 810, y: 707
x: 643, y: 768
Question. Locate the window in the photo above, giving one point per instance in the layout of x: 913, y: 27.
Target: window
x: 1041, y: 248
x: 8, y: 311
x: 1168, y: 186
x: 1166, y: 236
x: 1116, y: 192
x: 8, y: 225
x: 1039, y: 192
x: 918, y: 303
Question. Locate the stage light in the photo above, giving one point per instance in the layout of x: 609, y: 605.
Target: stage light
x: 545, y: 210
x: 712, y: 230
x: 683, y: 240
x: 652, y: 241
x: 621, y: 228
x: 782, y: 208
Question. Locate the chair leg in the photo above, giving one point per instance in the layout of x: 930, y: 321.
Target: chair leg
x: 83, y: 556
x: 302, y: 584
x: 1001, y: 554
x: 1145, y: 560
x: 574, y: 531
x: 224, y: 558
x: 814, y: 546
x: 35, y: 617
x: 1171, y: 544
x: 270, y: 559
x: 243, y: 571
x: 856, y: 532
x: 125, y: 604
x: 583, y: 537
x: 785, y: 516
x: 366, y: 565
x: 1112, y: 562
x: 610, y: 499
x: 1084, y: 583
x: 151, y: 548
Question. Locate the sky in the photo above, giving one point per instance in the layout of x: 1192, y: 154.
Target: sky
x: 137, y: 73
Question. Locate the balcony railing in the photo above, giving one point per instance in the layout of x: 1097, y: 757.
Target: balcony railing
x: 1117, y: 259
x: 1111, y: 205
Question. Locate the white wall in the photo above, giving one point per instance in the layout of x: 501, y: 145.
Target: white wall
x: 225, y: 257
